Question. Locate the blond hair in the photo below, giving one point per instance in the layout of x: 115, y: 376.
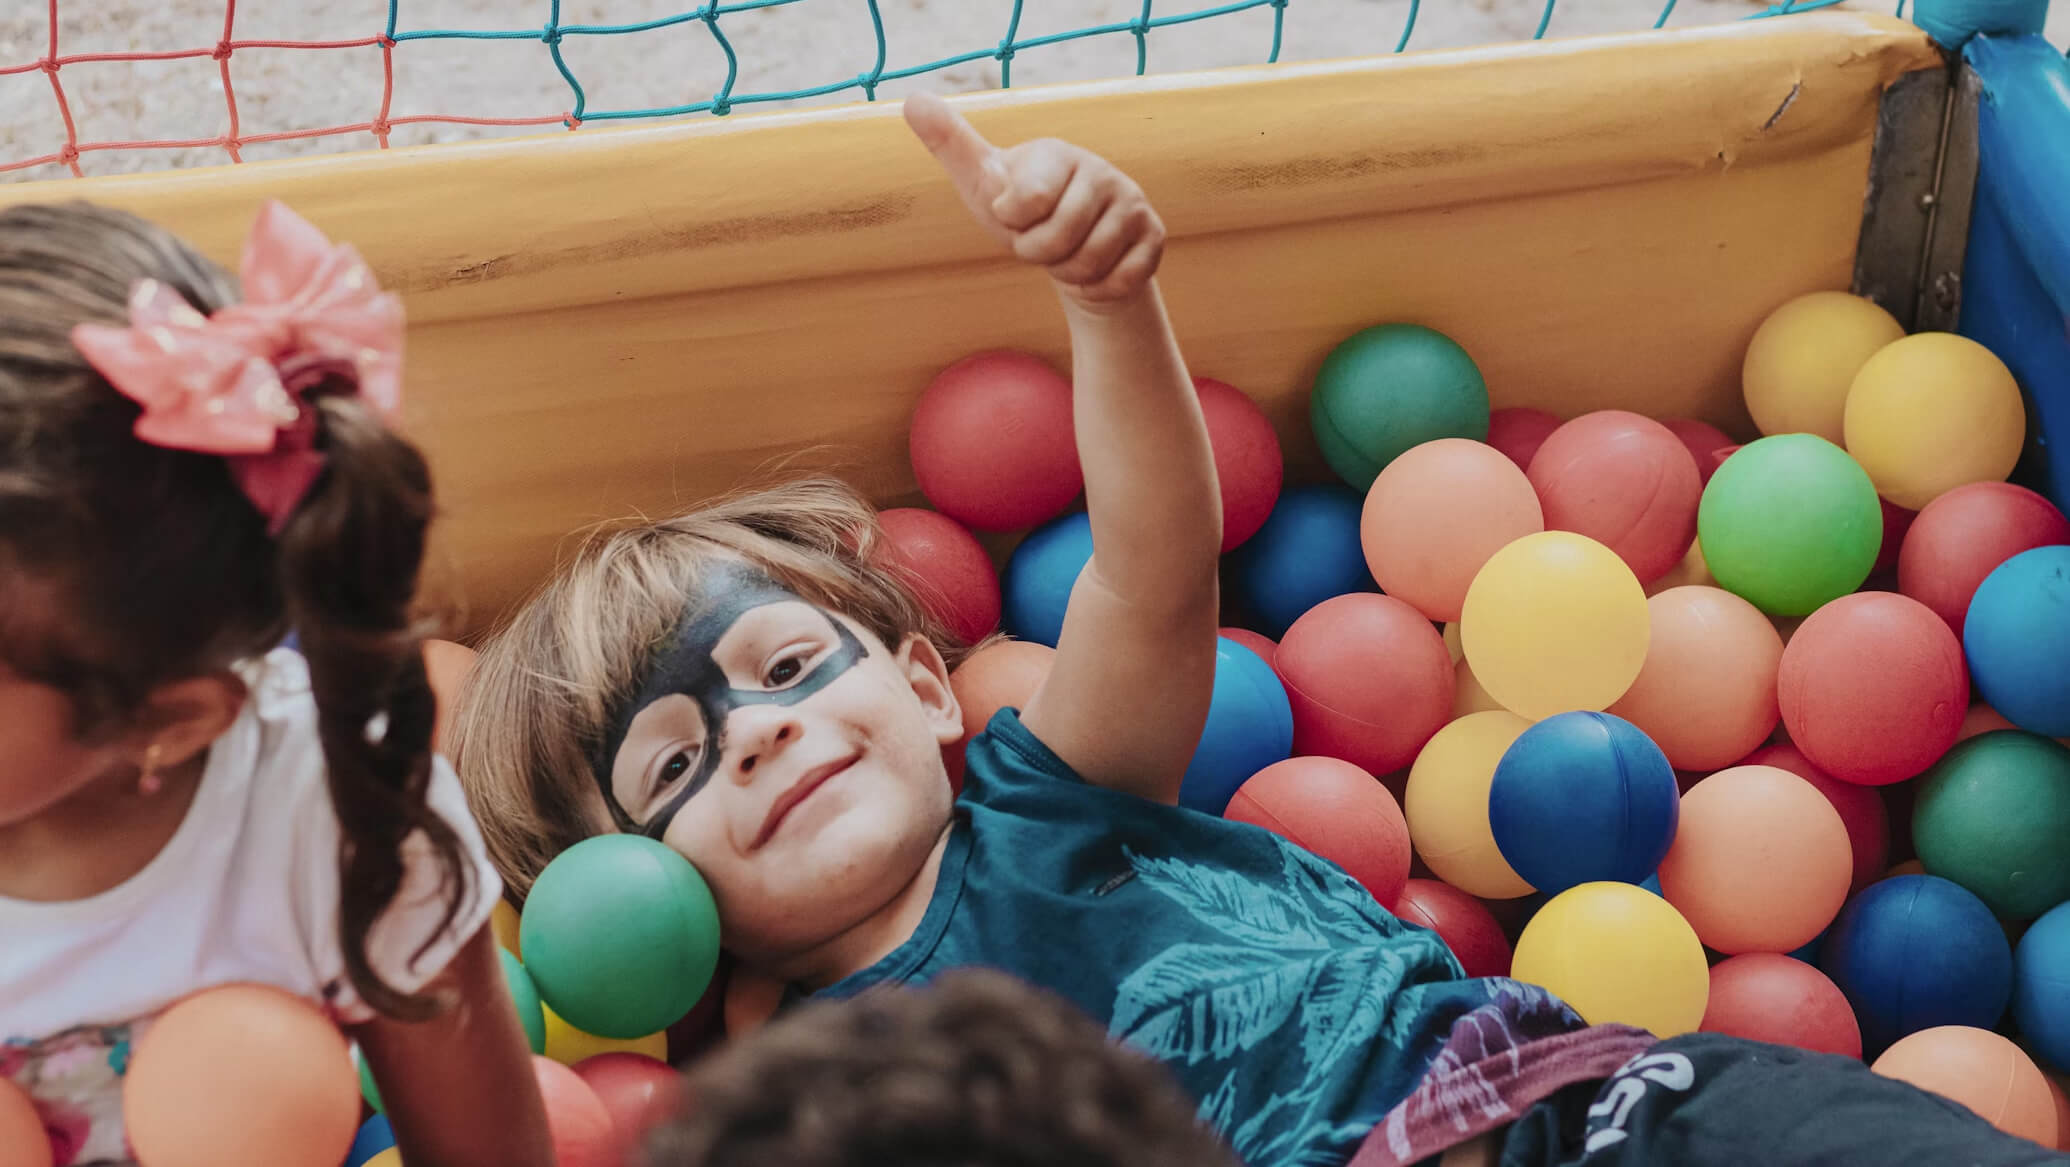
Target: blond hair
x: 546, y: 686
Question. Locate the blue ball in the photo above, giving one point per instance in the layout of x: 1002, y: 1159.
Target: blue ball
x: 1249, y: 727
x: 1916, y: 951
x: 1307, y: 551
x: 2041, y: 986
x: 373, y: 1138
x: 1583, y: 797
x: 1036, y: 587
x: 2017, y: 636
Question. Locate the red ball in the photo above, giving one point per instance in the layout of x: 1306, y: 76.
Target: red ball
x: 1369, y: 680
x: 576, y: 1119
x: 637, y: 1091
x: 1248, y: 464
x: 1625, y: 481
x: 1873, y: 688
x: 1005, y: 673
x: 1257, y: 642
x: 992, y: 443
x: 1703, y: 441
x: 1336, y: 810
x: 946, y: 567
x: 1464, y: 923
x: 1962, y: 536
x: 1518, y: 432
x: 1897, y: 522
x: 1861, y: 809
x: 1764, y: 996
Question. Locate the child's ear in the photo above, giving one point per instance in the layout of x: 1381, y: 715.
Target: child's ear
x: 929, y: 675
x: 182, y: 718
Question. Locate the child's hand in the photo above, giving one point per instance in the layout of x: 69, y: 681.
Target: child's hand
x: 1056, y: 204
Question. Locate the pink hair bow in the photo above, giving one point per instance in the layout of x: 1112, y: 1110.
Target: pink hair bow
x: 236, y: 383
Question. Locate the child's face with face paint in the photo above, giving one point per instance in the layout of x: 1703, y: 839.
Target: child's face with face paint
x: 791, y: 756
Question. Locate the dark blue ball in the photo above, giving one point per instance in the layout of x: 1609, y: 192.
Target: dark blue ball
x: 1916, y: 951
x: 1307, y: 551
x: 1250, y: 726
x: 1036, y: 586
x: 1583, y: 797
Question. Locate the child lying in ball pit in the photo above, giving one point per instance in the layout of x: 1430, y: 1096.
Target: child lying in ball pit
x: 748, y: 684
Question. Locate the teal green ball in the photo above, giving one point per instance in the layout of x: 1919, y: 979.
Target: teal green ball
x: 1389, y: 388
x: 367, y: 1089
x: 525, y: 995
x: 1994, y: 816
x: 620, y: 936
x: 1789, y: 523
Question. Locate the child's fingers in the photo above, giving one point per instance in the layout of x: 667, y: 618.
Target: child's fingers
x: 1058, y: 237
x: 1135, y: 270
x: 972, y: 163
x: 1110, y: 239
x: 1036, y: 177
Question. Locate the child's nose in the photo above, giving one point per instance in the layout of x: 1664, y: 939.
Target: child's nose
x: 760, y: 733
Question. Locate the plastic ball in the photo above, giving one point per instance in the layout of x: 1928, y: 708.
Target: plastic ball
x: 524, y: 996
x: 375, y: 1136
x: 1860, y: 808
x: 1036, y: 586
x: 1703, y: 441
x: 2017, y: 637
x: 21, y: 1129
x: 569, y: 1045
x: 946, y: 568
x: 1307, y: 551
x: 503, y: 921
x: 1519, y: 430
x: 1389, y: 388
x: 1761, y: 862
x: 1960, y: 537
x: 1617, y: 954
x: 1897, y: 523
x: 1982, y: 1071
x: 1981, y: 719
x: 1248, y: 464
x: 1789, y: 523
x: 2041, y: 986
x: 241, y: 1074
x: 1625, y: 481
x: 1706, y: 694
x: 1447, y: 805
x: 1691, y: 572
x: 1465, y: 924
x: 985, y: 474
x: 1994, y: 816
x: 1266, y: 647
x: 1763, y: 996
x: 388, y: 1158
x: 1003, y: 674
x: 1437, y: 514
x: 1249, y: 727
x: 1468, y: 694
x: 1914, y: 952
x: 576, y: 1119
x: 621, y: 936
x: 1931, y: 412
x: 636, y: 1091
x: 1873, y: 688
x: 1554, y: 622
x: 1337, y: 811
x: 1369, y: 679
x: 1583, y: 798
x: 1803, y: 359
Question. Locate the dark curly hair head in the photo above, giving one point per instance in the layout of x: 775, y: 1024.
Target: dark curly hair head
x: 977, y: 1070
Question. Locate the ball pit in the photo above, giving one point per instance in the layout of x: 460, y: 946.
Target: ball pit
x: 1763, y: 996
x: 1582, y: 798
x: 1447, y: 804
x: 946, y: 567
x: 1897, y: 523
x: 1555, y: 622
x: 576, y: 1119
x: 1982, y: 1071
x: 1307, y: 551
x: 1036, y: 587
x: 1437, y: 514
x: 1249, y: 727
x: 1789, y: 523
x: 375, y: 1136
x: 637, y: 1091
x: 1994, y: 816
x: 1625, y: 481
x: 1760, y: 863
x: 963, y: 467
x: 1335, y: 810
x: 524, y: 997
x: 1391, y: 387
x: 1266, y: 647
x: 1803, y: 359
x: 2041, y: 987
x: 1003, y: 674
x: 1369, y: 681
x: 2017, y: 637
x: 1932, y: 412
x: 1962, y: 536
x: 1617, y: 954
x: 1873, y: 688
x: 1706, y: 694
x: 1917, y: 951
x: 1518, y: 432
x: 1860, y: 808
x: 1248, y: 465
x: 569, y: 1045
x: 1703, y: 441
x: 1461, y: 921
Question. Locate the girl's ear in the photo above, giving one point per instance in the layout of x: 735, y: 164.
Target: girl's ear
x: 929, y: 675
x: 182, y: 718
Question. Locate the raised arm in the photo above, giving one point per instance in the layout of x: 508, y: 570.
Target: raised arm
x: 1127, y: 697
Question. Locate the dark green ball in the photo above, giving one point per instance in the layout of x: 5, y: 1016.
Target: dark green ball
x: 525, y: 995
x: 1994, y: 816
x: 1389, y: 388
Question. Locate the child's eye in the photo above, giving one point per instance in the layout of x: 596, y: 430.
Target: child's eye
x: 673, y: 770
x: 789, y: 669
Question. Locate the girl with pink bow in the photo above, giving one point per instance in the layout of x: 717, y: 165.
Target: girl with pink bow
x: 189, y: 470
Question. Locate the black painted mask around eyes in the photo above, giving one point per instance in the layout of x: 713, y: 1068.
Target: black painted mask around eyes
x: 685, y: 666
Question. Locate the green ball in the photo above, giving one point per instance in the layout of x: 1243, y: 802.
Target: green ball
x: 525, y: 995
x: 367, y: 1089
x: 1994, y: 816
x: 620, y: 935
x: 1389, y: 388
x: 1789, y: 523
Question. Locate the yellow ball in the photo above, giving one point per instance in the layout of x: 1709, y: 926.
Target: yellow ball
x: 569, y: 1045
x: 388, y: 1158
x: 1555, y: 622
x: 1933, y: 412
x: 1452, y: 641
x: 1446, y: 804
x: 1618, y: 954
x: 1468, y: 697
x: 1803, y: 359
x: 503, y: 920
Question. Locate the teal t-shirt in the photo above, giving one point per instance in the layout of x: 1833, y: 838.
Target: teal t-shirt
x: 1289, y: 1003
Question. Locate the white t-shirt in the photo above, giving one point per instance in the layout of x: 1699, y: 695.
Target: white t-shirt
x: 245, y: 891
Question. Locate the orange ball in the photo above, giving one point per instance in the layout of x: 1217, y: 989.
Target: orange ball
x: 1873, y: 688
x: 1760, y: 862
x: 1625, y: 481
x: 1860, y: 807
x: 1706, y: 694
x: 1003, y: 674
x: 241, y: 1074
x: 1980, y: 1070
x: 1335, y: 810
x: 1436, y: 514
x: 22, y: 1135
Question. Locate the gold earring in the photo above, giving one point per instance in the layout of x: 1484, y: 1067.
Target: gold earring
x: 149, y: 783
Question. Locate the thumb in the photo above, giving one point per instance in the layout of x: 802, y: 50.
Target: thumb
x: 972, y: 163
